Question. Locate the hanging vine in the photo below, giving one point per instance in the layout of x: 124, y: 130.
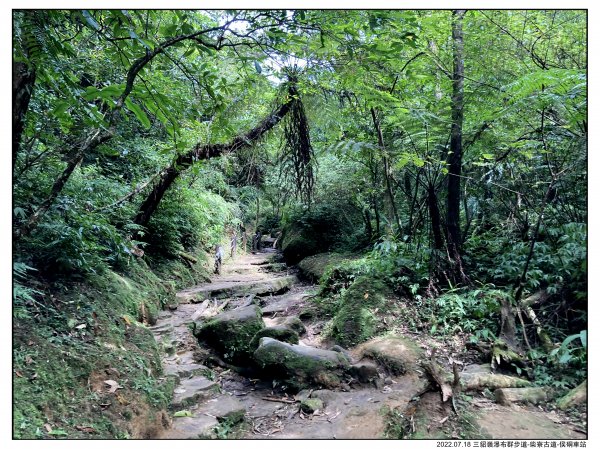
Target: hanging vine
x: 297, y: 154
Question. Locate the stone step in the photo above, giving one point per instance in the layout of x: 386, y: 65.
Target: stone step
x: 206, y: 418
x: 183, y: 371
x: 191, y: 391
x: 275, y: 267
x: 199, y: 426
x: 224, y: 407
x: 228, y: 289
x: 283, y: 303
x: 162, y: 328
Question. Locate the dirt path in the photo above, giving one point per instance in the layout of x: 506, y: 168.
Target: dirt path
x: 208, y: 401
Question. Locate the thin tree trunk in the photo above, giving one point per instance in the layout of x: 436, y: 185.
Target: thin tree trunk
x: 368, y: 225
x: 257, y: 213
x: 455, y: 156
x: 100, y: 136
x: 386, y: 170
x: 377, y: 218
x: 434, y: 214
x: 23, y: 84
x: 58, y: 185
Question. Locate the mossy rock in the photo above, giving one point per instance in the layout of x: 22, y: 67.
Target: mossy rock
x: 314, y: 267
x: 231, y: 333
x: 281, y: 333
x: 290, y: 322
x: 355, y: 320
x: 310, y: 406
x: 397, y: 354
x: 300, y: 366
x: 296, y: 245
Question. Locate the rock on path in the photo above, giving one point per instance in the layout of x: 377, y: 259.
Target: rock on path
x: 225, y: 396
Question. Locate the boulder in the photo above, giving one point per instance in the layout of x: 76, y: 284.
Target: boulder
x: 364, y: 372
x: 199, y: 426
x: 298, y: 244
x: 281, y: 333
x: 289, y: 322
x: 314, y: 267
x: 397, y: 354
x: 300, y: 366
x: 231, y: 333
x: 284, y: 303
x: 327, y: 396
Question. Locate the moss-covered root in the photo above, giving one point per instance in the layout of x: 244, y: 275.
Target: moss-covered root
x: 355, y: 320
x: 574, y: 397
x: 398, y: 355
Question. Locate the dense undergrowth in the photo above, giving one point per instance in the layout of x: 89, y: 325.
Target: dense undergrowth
x: 71, y: 338
x: 143, y: 139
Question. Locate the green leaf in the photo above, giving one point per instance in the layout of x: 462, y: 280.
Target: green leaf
x: 182, y: 413
x: 91, y: 93
x: 19, y: 212
x: 58, y: 432
x: 61, y: 107
x: 114, y: 90
x: 90, y: 20
x: 139, y: 113
x: 565, y: 358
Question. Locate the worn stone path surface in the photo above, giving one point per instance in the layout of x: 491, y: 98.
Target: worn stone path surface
x: 211, y: 397
x: 208, y: 401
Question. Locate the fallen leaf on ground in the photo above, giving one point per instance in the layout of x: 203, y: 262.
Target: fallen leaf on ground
x: 113, y: 385
x: 18, y: 374
x: 48, y: 428
x: 86, y: 429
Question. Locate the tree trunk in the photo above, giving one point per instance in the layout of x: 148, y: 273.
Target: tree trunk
x: 377, y: 218
x: 257, y: 213
x: 434, y: 215
x: 23, y: 83
x: 151, y: 202
x: 74, y: 161
x: 577, y: 395
x: 393, y: 212
x: 528, y: 395
x: 368, y: 226
x: 455, y: 156
x: 202, y: 152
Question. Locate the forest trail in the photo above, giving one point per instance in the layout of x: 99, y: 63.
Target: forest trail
x: 209, y: 402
